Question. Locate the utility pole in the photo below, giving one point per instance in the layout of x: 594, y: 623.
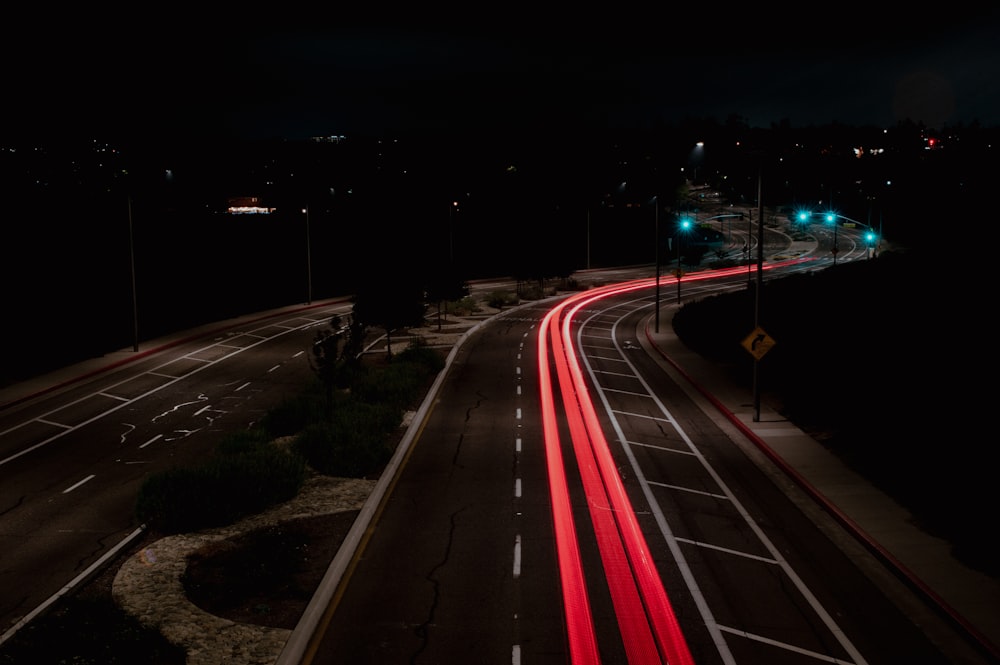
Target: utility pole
x: 656, y: 241
x: 131, y: 256
x: 760, y: 287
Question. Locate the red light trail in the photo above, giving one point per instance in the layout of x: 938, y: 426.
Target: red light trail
x: 649, y: 629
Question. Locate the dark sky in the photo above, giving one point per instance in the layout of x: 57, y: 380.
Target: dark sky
x: 286, y: 71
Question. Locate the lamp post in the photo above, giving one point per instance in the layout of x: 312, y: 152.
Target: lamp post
x: 832, y: 218
x: 309, y: 284
x: 452, y: 209
x: 683, y: 224
x: 131, y: 256
x: 656, y: 243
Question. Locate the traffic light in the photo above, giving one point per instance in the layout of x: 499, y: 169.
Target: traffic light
x: 870, y: 237
x: 802, y: 216
x: 686, y: 223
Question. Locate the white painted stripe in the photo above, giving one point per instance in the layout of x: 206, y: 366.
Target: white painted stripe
x: 745, y: 555
x: 158, y: 436
x: 73, y: 487
x: 782, y: 645
x: 517, y: 487
x: 53, y: 423
x: 517, y: 556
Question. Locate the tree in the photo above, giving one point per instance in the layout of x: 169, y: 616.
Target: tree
x: 390, y: 304
x: 444, y: 286
x: 335, y: 352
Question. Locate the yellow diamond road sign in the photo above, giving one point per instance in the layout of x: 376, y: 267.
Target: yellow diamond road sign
x: 758, y: 343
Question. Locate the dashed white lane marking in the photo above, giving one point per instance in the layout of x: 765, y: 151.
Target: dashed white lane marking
x: 73, y: 487
x: 517, y: 556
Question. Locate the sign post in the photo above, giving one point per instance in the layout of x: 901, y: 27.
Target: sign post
x: 757, y: 343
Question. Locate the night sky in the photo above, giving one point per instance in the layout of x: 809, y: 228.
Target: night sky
x: 286, y: 72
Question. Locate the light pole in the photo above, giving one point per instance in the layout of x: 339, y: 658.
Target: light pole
x: 131, y: 256
x: 656, y: 244
x: 452, y: 209
x: 832, y: 218
x: 683, y: 224
x: 696, y: 159
x: 309, y: 283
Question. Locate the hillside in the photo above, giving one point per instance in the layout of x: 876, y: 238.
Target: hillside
x: 874, y: 358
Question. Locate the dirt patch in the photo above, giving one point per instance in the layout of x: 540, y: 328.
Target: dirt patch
x: 268, y: 576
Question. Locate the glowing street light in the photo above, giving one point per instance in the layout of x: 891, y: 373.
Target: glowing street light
x: 683, y: 224
x: 831, y: 218
x: 309, y: 271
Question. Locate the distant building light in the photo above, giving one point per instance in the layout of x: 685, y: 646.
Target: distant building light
x: 247, y: 205
x: 249, y: 210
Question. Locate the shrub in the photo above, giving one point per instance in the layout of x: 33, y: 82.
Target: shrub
x: 222, y: 490
x: 295, y: 413
x: 352, y: 443
x: 244, y: 441
x: 463, y: 306
x: 501, y: 299
x: 401, y: 382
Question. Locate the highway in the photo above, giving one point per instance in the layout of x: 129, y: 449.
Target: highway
x: 72, y: 458
x: 566, y: 499
x: 627, y: 525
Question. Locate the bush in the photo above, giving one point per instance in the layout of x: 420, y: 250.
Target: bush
x: 226, y: 488
x: 501, y: 299
x: 295, y: 413
x: 463, y: 306
x: 401, y: 382
x: 81, y: 626
x: 352, y: 446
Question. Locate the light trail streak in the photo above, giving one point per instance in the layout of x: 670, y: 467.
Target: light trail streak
x: 649, y: 628
x: 580, y: 634
x: 639, y: 643
x: 666, y: 629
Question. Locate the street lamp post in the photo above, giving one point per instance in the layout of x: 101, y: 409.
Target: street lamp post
x: 832, y: 217
x: 131, y: 256
x: 656, y: 243
x: 309, y: 284
x: 451, y: 232
x: 683, y: 224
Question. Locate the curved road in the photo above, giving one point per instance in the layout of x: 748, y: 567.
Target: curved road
x: 502, y: 538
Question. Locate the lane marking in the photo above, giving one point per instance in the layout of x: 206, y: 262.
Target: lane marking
x: 73, y: 487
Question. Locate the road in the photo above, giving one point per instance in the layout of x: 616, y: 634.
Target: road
x: 468, y: 529
x: 505, y: 537
x: 72, y: 459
